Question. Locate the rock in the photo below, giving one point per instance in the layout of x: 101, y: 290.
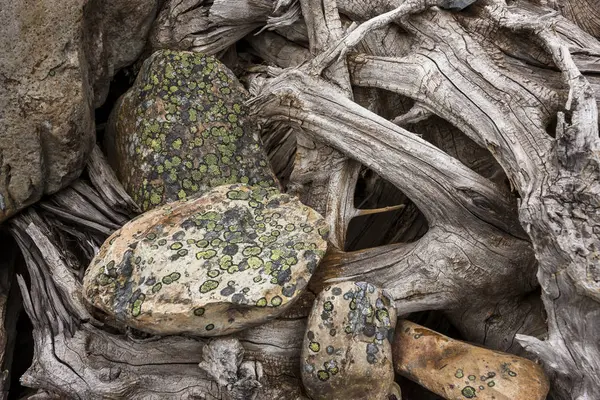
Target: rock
x: 182, y: 129
x: 347, y: 351
x: 46, y: 117
x: 394, y: 392
x: 233, y: 258
x: 53, y: 54
x: 457, y: 370
x: 117, y: 32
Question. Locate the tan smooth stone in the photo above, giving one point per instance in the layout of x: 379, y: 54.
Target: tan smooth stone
x: 457, y: 370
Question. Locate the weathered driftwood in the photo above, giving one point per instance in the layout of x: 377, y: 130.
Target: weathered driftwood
x: 506, y: 113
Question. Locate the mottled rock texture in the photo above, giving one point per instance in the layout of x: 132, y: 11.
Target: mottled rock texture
x: 347, y: 350
x: 457, y: 371
x: 56, y: 60
x: 233, y: 258
x: 182, y: 129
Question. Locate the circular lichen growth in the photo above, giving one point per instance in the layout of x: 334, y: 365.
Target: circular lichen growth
x: 262, y: 302
x: 276, y: 301
x: 469, y: 392
x: 198, y: 312
x: 323, y: 375
x: 208, y: 285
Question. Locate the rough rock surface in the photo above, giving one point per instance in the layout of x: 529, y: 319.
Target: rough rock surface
x: 347, y: 351
x: 232, y: 258
x: 46, y: 116
x: 456, y: 370
x: 53, y: 55
x: 117, y: 31
x: 183, y: 129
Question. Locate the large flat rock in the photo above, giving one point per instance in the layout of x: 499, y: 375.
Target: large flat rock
x: 236, y: 257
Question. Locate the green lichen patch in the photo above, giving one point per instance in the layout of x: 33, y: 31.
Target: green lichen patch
x: 206, y: 254
x: 469, y: 392
x: 182, y: 129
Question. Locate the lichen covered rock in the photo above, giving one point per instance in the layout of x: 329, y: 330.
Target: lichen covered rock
x: 347, y: 351
x: 457, y: 371
x: 182, y: 129
x: 232, y: 258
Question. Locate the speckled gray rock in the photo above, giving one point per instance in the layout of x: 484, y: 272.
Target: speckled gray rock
x: 233, y: 258
x: 347, y: 351
x: 182, y: 129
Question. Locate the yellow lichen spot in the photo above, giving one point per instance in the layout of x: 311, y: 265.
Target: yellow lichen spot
x: 255, y: 262
x: 156, y: 145
x: 177, y: 144
x: 155, y: 198
x: 181, y: 194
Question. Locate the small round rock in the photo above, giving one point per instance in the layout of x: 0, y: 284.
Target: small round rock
x: 347, y: 351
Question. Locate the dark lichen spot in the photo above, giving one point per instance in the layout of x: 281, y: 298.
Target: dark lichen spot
x: 199, y: 311
x: 210, y: 327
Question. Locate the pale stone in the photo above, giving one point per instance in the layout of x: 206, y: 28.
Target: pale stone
x: 457, y: 370
x: 347, y: 351
x: 236, y: 257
